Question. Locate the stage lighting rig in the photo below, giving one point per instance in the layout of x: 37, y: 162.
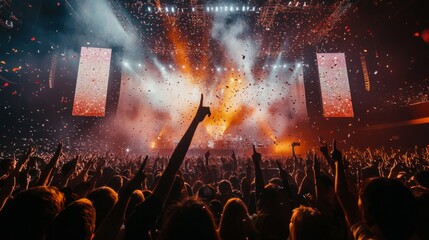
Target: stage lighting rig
x: 8, y: 19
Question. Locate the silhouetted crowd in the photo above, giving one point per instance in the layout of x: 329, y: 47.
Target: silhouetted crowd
x: 328, y: 194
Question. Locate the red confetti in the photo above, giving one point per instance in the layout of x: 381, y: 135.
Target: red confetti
x: 6, y: 84
x: 33, y: 39
x: 425, y: 35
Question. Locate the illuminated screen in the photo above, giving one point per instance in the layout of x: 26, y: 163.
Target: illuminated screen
x: 158, y: 100
x: 92, y: 81
x: 334, y: 85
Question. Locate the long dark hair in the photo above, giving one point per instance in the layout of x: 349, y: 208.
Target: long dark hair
x: 189, y: 219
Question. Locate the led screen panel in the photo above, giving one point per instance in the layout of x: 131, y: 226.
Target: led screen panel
x: 334, y: 85
x: 92, y: 81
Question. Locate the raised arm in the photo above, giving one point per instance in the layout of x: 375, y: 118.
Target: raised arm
x: 10, y: 181
x: 83, y: 175
x: 64, y: 181
x: 164, y: 185
x: 259, y: 179
x: 111, y: 225
x: 145, y: 214
x: 208, y: 175
x: 325, y: 151
x: 347, y: 201
x: 47, y: 172
x: 285, y: 179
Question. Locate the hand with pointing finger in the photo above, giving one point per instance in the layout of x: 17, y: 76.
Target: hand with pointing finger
x: 202, y: 111
x: 336, y: 154
x: 256, y: 157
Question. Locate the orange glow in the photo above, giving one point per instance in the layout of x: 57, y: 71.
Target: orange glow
x: 179, y: 43
x: 282, y: 147
x: 229, y: 111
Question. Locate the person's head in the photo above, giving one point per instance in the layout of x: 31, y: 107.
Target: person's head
x: 66, y: 168
x: 206, y: 193
x: 273, y: 200
x: 196, y: 187
x: 137, y: 197
x: 388, y: 208
x: 307, y: 223
x: 369, y: 172
x: 32, y: 210
x: 234, y: 216
x: 190, y: 219
x: 115, y: 183
x: 235, y: 182
x: 103, y: 199
x: 225, y: 187
x: 216, y: 207
x: 326, y: 184
x: 277, y: 181
x: 75, y: 222
x: 422, y: 178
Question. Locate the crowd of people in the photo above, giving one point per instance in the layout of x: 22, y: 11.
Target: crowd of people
x: 328, y: 194
x: 408, y: 94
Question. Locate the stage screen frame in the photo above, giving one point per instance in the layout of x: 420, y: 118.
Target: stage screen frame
x: 334, y: 85
x: 92, y: 82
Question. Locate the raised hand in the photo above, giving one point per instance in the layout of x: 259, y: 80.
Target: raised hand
x: 136, y: 181
x: 256, y: 157
x: 58, y: 151
x: 259, y: 179
x: 233, y: 155
x: 25, y: 158
x: 316, y: 164
x: 73, y: 163
x: 324, y: 148
x: 283, y: 173
x: 207, y: 155
x: 66, y: 176
x: 202, y: 111
x: 337, y: 156
x: 48, y: 171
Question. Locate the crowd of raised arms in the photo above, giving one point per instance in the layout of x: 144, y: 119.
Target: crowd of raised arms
x: 331, y: 194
